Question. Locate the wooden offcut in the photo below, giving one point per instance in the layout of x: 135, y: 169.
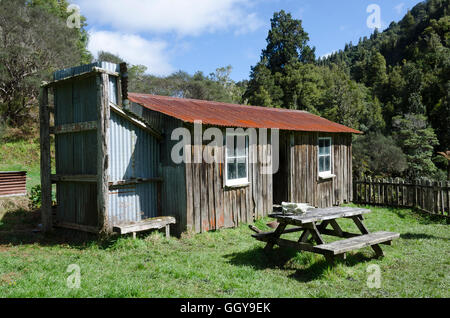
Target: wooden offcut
x: 145, y: 225
x: 73, y: 128
x: 46, y: 184
x: 103, y: 112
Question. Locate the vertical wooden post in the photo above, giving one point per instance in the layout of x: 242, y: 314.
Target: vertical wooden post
x: 46, y: 184
x: 448, y: 197
x: 103, y: 113
x: 416, y: 195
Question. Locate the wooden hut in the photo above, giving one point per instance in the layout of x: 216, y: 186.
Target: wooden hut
x: 115, y: 166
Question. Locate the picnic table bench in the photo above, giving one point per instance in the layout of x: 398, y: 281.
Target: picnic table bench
x: 313, y: 224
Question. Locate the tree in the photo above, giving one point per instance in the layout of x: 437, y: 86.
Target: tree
x: 446, y: 155
x: 104, y: 56
x: 417, y: 141
x: 33, y: 43
x: 378, y: 156
x: 286, y: 41
x: 262, y: 90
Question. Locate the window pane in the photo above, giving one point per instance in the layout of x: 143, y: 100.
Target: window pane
x: 230, y: 146
x: 242, y: 168
x: 327, y: 163
x: 321, y: 164
x: 324, y: 146
x: 321, y: 145
x: 240, y: 146
x: 327, y: 146
x: 231, y: 167
x: 321, y: 149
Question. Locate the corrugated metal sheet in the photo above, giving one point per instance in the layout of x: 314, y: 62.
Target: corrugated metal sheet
x: 76, y: 101
x: 133, y: 153
x: 76, y: 153
x: 13, y: 183
x: 231, y: 115
x: 69, y: 72
x: 77, y: 203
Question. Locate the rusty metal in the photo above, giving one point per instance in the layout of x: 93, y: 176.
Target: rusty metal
x: 13, y: 183
x: 232, y: 115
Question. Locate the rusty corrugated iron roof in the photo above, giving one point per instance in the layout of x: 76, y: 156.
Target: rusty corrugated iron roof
x: 232, y: 115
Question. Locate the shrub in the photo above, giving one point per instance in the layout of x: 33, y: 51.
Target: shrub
x: 35, y: 197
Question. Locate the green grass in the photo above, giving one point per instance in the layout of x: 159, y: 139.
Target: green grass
x: 22, y: 155
x: 226, y: 263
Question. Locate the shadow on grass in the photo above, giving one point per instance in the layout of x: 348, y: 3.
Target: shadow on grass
x: 421, y: 216
x: 421, y: 236
x: 20, y: 227
x: 281, y: 258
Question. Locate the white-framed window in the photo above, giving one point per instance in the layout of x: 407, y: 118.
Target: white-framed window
x: 236, y: 159
x: 325, y: 157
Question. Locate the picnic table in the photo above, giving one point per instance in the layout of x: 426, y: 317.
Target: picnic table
x: 315, y: 223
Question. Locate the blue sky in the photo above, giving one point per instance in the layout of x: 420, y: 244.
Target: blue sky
x: 202, y: 35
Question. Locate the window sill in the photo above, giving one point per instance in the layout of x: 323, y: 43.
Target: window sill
x: 326, y: 176
x: 237, y: 186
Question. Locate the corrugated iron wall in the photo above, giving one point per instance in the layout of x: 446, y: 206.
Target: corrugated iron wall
x: 76, y: 153
x: 133, y: 153
x: 68, y: 72
x: 13, y: 183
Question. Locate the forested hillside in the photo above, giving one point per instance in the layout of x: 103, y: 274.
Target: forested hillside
x: 407, y: 68
x: 394, y: 87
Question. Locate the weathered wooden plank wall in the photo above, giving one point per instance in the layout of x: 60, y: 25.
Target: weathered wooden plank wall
x: 304, y: 184
x: 173, y: 187
x: 211, y: 205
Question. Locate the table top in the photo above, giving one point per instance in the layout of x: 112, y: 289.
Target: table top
x: 315, y: 215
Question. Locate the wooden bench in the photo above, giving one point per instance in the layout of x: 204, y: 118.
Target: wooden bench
x: 373, y: 239
x: 144, y: 225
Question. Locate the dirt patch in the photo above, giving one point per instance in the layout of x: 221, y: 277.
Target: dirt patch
x: 15, y: 215
x: 13, y: 204
x: 4, y: 248
x: 9, y: 278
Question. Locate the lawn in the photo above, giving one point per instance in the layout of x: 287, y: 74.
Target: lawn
x: 22, y: 155
x: 226, y: 263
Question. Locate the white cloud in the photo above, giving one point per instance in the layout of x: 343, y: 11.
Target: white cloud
x: 399, y: 8
x: 326, y: 55
x: 183, y: 17
x: 134, y: 49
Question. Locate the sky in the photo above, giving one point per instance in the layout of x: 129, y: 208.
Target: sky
x: 203, y: 35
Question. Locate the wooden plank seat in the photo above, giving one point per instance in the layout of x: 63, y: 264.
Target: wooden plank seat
x: 260, y: 236
x: 144, y: 225
x: 358, y: 242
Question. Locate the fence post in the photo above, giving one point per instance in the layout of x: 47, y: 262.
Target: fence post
x: 448, y: 197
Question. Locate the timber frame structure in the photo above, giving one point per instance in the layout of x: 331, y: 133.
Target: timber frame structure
x: 100, y: 126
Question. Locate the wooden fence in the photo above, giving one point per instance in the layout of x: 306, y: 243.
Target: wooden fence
x: 429, y: 196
